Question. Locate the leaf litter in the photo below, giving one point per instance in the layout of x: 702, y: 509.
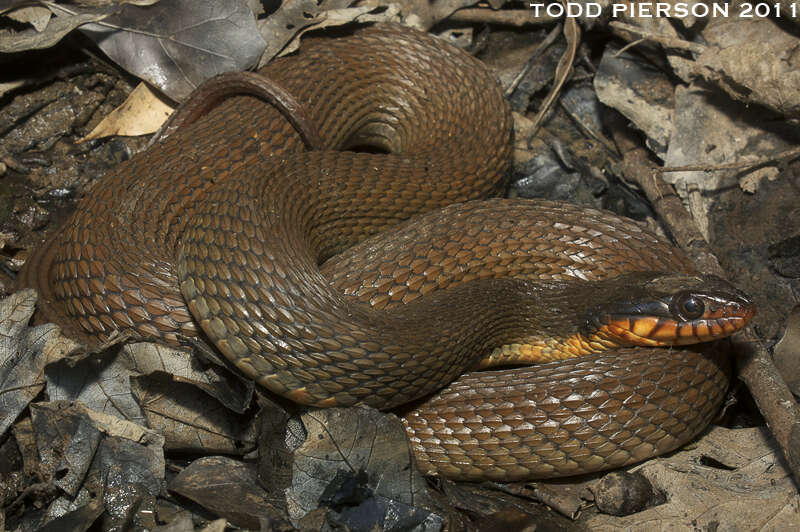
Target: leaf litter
x: 685, y: 85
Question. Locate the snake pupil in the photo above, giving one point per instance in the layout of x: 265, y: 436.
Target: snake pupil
x: 692, y: 307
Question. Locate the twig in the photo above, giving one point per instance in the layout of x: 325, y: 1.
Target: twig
x: 506, y: 17
x: 572, y: 33
x: 628, y: 46
x: 755, y: 367
x: 782, y: 156
x: 537, y: 52
x: 14, y: 164
x: 559, y: 500
x: 669, y: 42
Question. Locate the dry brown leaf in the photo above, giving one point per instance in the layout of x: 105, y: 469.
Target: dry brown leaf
x: 709, y: 128
x: 643, y: 94
x: 280, y: 28
x: 189, y: 420
x: 339, y: 17
x: 142, y: 113
x: 787, y: 352
x: 732, y: 479
x: 754, y: 61
x: 230, y: 489
x: 36, y: 16
x: 95, y: 458
x: 56, y: 29
x: 362, y: 456
x: 24, y: 353
x: 103, y: 381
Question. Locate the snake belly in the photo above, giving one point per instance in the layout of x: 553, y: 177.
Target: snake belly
x: 224, y: 223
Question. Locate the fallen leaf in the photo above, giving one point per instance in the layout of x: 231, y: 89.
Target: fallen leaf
x: 643, y: 94
x: 175, y: 45
x: 24, y: 352
x: 189, y: 420
x: 142, y: 113
x: 709, y: 128
x: 351, y: 468
x: 730, y: 477
x: 90, y: 455
x: 280, y: 27
x: 36, y: 16
x: 787, y: 352
x: 753, y: 60
x: 230, y: 489
x: 102, y: 380
x: 57, y: 29
x: 339, y: 17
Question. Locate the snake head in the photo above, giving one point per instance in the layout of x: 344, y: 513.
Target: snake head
x: 670, y: 309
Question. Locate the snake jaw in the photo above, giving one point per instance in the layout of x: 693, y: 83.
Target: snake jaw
x: 710, y: 311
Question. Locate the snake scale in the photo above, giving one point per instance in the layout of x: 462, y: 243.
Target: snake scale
x: 224, y: 225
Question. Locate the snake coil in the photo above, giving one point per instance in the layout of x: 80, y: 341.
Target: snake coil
x: 224, y: 225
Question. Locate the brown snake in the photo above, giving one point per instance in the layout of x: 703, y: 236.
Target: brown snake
x: 230, y: 214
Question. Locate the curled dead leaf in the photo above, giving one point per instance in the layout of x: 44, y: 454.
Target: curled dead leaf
x: 142, y: 113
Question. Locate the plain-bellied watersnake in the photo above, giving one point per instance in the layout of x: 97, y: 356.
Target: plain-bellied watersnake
x: 231, y: 215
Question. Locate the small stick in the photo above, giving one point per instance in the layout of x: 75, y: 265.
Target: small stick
x: 774, y: 399
x: 572, y: 33
x: 537, y: 52
x: 668, y: 42
x: 775, y: 158
x: 506, y: 17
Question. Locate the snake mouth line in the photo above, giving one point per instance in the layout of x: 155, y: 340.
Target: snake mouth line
x: 656, y: 331
x: 664, y: 314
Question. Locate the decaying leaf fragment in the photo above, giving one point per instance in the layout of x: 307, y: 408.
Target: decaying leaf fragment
x: 282, y: 30
x: 24, y: 352
x: 95, y: 460
x: 348, y: 467
x: 643, y: 94
x: 189, y: 419
x: 709, y: 128
x: 754, y: 61
x: 175, y: 45
x: 730, y: 478
x: 787, y: 352
x: 229, y: 488
x: 164, y: 387
x: 55, y: 30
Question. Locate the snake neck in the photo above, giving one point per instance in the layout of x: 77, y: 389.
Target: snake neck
x: 554, y: 323
x: 575, y: 318
x: 536, y: 350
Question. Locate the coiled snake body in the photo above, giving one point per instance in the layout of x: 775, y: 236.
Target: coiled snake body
x: 224, y: 223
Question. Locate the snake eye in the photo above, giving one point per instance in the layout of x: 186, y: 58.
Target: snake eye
x: 691, y: 307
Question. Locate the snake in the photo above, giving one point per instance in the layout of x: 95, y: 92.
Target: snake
x: 378, y: 268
